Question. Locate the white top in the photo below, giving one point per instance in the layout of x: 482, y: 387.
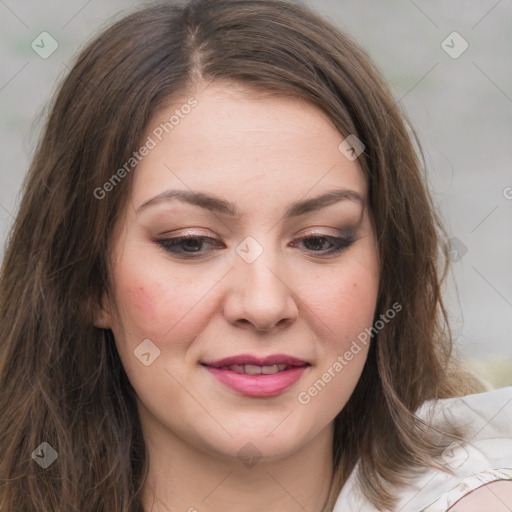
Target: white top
x: 485, y: 456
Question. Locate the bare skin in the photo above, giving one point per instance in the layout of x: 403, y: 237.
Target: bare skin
x: 496, y: 496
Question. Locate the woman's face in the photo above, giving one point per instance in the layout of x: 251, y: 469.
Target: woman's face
x: 202, y: 326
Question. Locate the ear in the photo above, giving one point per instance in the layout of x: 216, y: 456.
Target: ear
x: 102, y: 315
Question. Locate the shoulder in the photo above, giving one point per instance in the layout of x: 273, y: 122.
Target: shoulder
x: 492, y: 487
x: 496, y: 496
x: 474, y: 468
x: 478, y: 465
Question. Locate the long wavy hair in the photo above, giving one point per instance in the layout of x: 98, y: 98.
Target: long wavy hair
x: 61, y: 379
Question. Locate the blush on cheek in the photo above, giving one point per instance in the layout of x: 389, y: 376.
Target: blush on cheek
x: 142, y: 303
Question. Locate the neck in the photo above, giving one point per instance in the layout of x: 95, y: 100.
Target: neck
x: 184, y: 478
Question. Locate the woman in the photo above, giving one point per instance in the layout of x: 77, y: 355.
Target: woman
x: 222, y: 288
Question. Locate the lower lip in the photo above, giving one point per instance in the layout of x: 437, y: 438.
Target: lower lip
x: 258, y: 385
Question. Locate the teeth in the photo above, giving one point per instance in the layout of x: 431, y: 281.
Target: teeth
x: 238, y: 368
x: 275, y: 368
x: 252, y: 369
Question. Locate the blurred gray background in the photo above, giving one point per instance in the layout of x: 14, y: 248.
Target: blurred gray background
x: 455, y: 88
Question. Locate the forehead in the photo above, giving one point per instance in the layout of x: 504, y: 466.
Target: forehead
x: 242, y: 141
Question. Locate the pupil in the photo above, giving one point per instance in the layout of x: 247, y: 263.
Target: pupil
x: 190, y: 242
x: 319, y: 242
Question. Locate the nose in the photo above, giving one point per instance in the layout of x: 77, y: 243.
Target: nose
x: 259, y: 296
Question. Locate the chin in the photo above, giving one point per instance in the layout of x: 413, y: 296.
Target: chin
x: 266, y: 440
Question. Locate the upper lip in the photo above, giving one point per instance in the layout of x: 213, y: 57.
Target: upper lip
x: 258, y: 361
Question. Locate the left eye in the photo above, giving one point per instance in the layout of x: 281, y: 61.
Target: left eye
x: 190, y: 246
x: 336, y: 244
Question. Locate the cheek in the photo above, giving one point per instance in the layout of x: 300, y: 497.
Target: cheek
x: 150, y: 307
x: 137, y: 300
x: 345, y: 303
x: 343, y: 310
x: 142, y: 302
x: 158, y: 304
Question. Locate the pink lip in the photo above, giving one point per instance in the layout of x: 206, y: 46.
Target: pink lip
x: 260, y: 361
x: 258, y: 385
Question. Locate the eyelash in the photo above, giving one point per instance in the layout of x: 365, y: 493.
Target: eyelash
x: 168, y: 244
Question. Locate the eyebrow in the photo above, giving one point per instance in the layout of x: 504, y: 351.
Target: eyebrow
x: 216, y: 204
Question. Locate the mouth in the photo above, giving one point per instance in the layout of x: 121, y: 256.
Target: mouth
x: 254, y: 376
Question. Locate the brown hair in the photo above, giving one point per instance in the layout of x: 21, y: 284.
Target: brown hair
x: 61, y: 380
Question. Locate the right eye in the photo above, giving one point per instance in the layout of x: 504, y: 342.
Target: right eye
x: 186, y: 246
